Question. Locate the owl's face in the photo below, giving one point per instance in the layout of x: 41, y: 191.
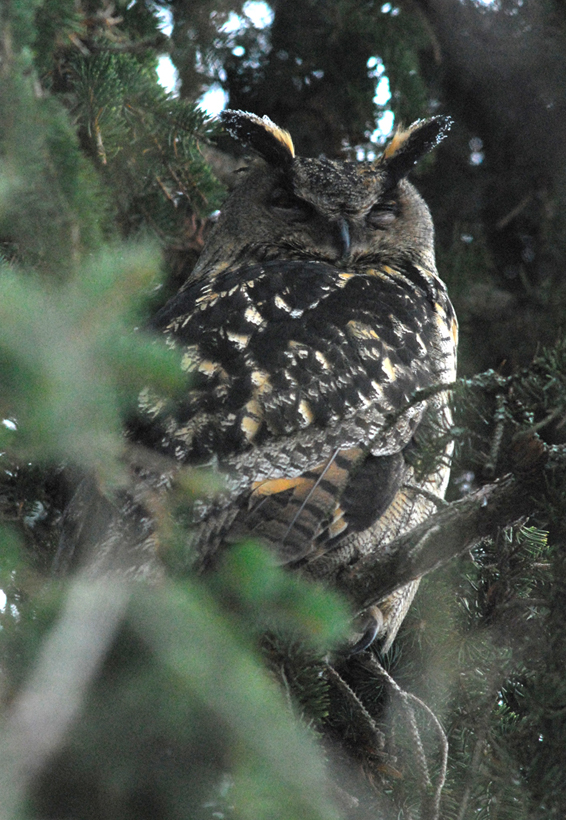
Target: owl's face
x: 342, y: 212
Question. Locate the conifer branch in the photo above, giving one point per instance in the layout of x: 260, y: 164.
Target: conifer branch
x: 449, y: 532
x: 431, y: 795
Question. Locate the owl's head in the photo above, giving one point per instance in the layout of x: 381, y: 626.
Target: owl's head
x: 346, y: 213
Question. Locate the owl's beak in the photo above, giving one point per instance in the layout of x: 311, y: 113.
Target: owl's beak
x: 344, y: 234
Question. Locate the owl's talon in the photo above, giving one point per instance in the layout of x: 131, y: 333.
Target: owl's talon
x: 372, y: 626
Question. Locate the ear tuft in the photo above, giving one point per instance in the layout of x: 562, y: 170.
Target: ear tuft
x: 260, y: 134
x: 409, y: 145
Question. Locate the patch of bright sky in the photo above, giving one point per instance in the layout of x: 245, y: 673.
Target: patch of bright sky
x: 214, y: 100
x: 259, y: 14
x: 256, y: 13
x: 167, y: 74
x: 3, y: 600
x: 476, y: 153
x: 385, y: 122
x: 166, y: 71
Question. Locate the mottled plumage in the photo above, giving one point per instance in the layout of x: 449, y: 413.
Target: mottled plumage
x: 313, y: 316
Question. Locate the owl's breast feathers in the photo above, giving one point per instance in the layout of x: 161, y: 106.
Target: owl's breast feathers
x: 296, y: 369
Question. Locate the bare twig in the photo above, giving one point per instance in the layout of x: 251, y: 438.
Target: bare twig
x: 489, y: 467
x: 430, y: 792
x: 509, y: 217
x: 375, y: 735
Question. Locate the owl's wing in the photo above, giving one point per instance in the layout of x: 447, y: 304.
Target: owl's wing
x: 299, y: 371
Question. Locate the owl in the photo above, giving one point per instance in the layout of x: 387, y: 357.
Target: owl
x: 314, y: 315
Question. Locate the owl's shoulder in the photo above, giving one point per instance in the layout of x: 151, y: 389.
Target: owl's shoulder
x: 285, y: 290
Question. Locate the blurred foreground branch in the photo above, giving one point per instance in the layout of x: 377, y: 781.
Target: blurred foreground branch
x: 42, y: 714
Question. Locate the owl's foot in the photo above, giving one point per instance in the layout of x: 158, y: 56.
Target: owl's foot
x: 371, y: 625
